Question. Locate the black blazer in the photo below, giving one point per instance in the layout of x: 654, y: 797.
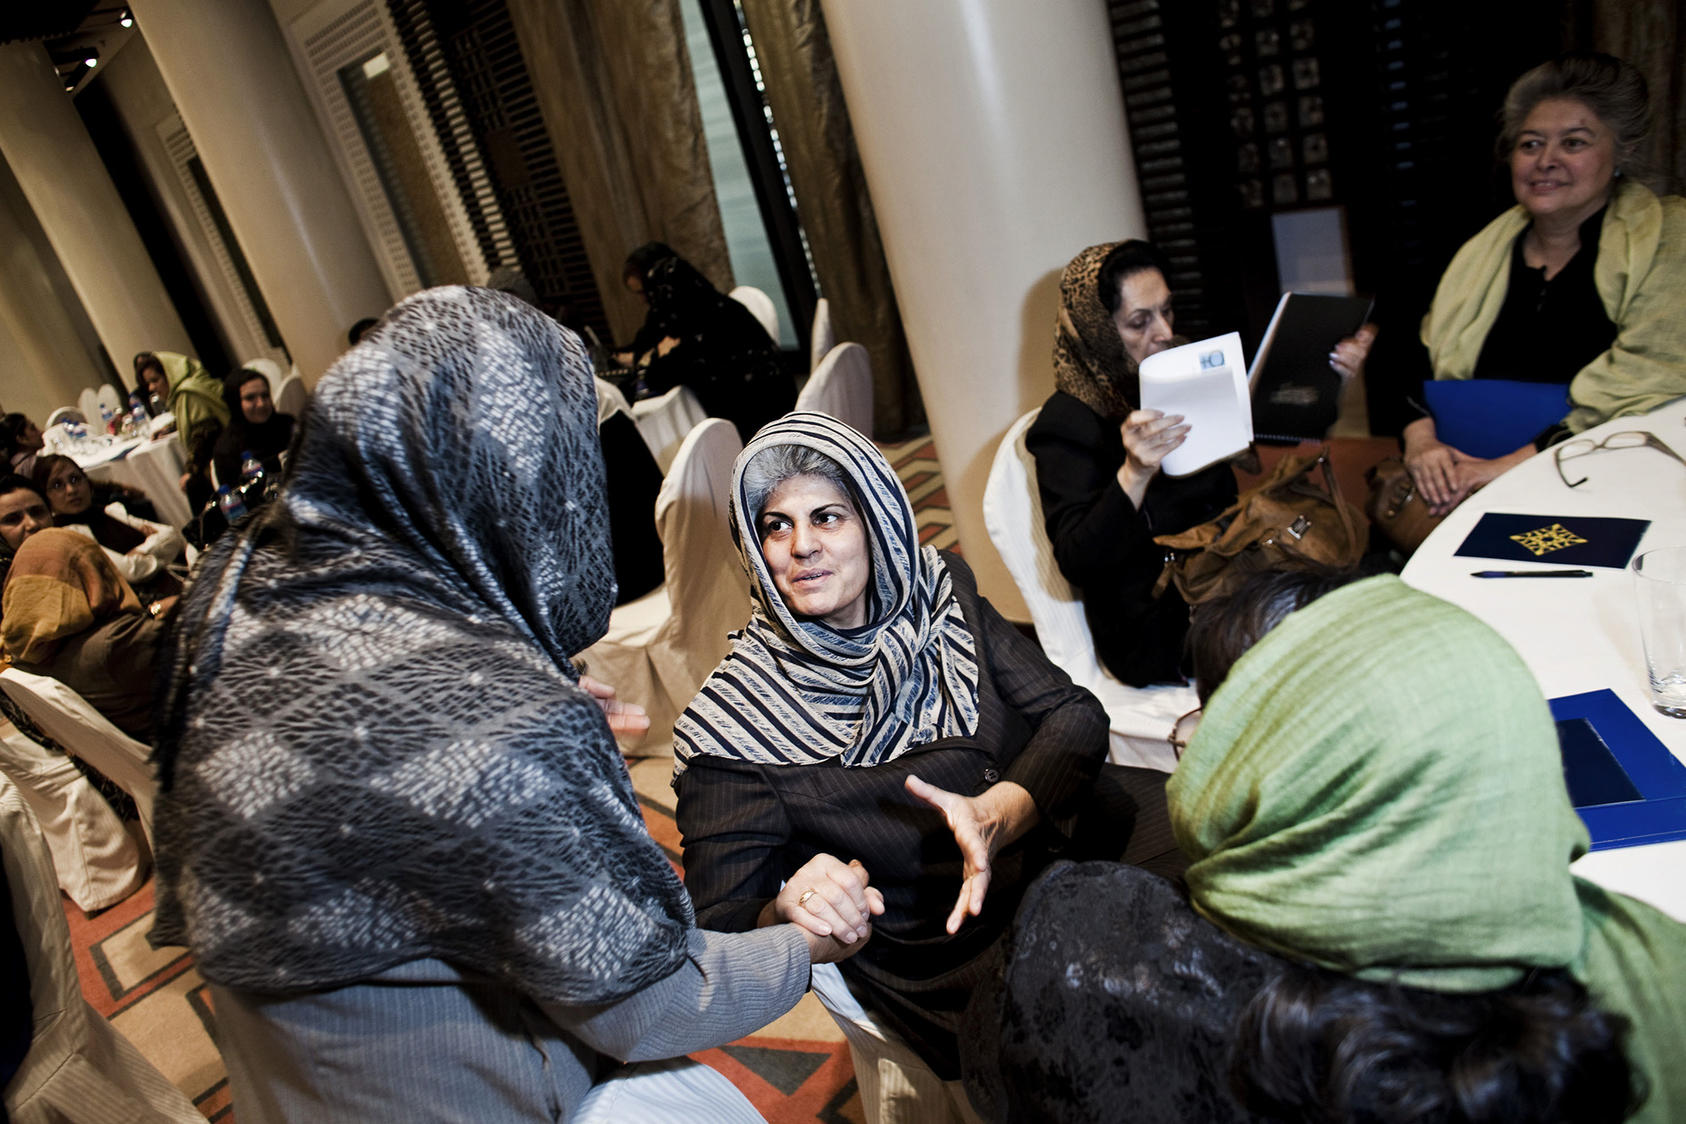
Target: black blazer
x: 747, y: 827
x: 1104, y: 546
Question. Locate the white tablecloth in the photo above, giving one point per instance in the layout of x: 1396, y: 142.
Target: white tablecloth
x: 1581, y: 634
x: 152, y: 465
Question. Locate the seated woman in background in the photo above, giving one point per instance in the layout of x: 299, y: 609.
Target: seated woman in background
x: 195, y: 398
x: 21, y: 442
x: 254, y: 426
x: 67, y: 613
x: 1580, y: 287
x: 392, y: 824
x: 1097, y: 458
x: 877, y: 710
x: 697, y: 336
x: 1379, y: 839
x: 23, y: 512
x: 141, y: 550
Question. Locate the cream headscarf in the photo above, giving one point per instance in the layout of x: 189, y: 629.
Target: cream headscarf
x: 1641, y: 278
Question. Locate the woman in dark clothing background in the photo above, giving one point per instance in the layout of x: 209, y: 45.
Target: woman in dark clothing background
x: 254, y: 426
x: 1097, y: 461
x: 696, y: 336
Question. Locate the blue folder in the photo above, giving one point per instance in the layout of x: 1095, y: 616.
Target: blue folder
x: 1626, y: 786
x: 1491, y: 417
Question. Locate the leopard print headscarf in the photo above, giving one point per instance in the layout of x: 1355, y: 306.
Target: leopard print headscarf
x: 1090, y: 362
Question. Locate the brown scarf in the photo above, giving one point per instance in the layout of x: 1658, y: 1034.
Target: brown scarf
x: 61, y: 583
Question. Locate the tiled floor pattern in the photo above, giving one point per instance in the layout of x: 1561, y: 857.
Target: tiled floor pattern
x: 795, y: 1071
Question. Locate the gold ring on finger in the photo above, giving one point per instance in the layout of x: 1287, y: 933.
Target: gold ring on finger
x: 806, y: 894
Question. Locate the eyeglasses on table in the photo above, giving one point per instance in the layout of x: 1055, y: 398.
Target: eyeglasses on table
x: 1623, y: 439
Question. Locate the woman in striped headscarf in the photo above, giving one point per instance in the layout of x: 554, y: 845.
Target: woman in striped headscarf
x: 878, y: 714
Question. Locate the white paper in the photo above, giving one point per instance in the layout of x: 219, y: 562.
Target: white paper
x: 1205, y: 382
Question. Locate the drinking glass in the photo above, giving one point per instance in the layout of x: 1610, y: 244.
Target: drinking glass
x: 1660, y: 581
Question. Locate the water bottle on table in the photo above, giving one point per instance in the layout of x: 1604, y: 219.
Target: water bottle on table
x: 229, y: 503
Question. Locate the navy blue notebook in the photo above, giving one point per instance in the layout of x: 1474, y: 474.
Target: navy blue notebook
x: 1560, y: 540
x: 1626, y: 786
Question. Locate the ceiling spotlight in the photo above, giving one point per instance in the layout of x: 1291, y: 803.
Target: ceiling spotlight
x: 126, y: 20
x: 90, y: 63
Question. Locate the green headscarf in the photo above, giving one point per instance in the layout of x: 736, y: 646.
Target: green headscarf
x: 195, y: 399
x: 1377, y: 789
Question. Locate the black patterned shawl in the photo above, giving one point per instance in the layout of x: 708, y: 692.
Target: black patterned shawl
x: 373, y: 748
x: 799, y: 692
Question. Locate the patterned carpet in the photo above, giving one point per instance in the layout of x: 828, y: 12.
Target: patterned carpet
x: 795, y: 1071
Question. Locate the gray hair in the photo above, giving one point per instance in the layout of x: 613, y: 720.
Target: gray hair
x: 771, y: 467
x: 1613, y: 89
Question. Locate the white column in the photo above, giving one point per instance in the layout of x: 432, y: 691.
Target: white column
x: 232, y: 78
x: 61, y: 175
x: 993, y: 137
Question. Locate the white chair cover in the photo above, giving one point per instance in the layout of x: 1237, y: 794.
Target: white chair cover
x: 1141, y: 717
x: 665, y: 420
x: 824, y: 338
x: 79, y: 1070
x: 610, y: 400
x: 64, y: 414
x: 97, y: 860
x: 289, y: 393
x: 761, y: 304
x: 661, y: 647
x: 842, y: 387
x: 268, y: 368
x: 68, y: 719
x: 89, y: 403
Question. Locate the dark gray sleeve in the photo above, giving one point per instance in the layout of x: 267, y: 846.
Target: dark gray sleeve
x: 732, y: 984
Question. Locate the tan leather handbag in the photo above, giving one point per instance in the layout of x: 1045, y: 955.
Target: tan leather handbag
x: 1293, y: 517
x: 1396, y: 507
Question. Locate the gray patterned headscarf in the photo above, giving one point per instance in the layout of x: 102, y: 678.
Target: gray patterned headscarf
x: 373, y: 749
x: 798, y: 692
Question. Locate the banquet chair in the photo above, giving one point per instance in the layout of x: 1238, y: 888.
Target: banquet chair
x: 66, y: 413
x: 842, y: 387
x: 823, y: 337
x: 268, y: 368
x: 665, y: 420
x: 73, y: 723
x: 99, y: 863
x: 88, y: 402
x: 661, y: 647
x: 79, y: 1069
x: 290, y: 396
x: 761, y: 304
x: 1141, y: 718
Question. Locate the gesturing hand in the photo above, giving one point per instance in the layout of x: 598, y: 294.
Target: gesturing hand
x: 827, y: 898
x: 982, y: 825
x: 624, y: 717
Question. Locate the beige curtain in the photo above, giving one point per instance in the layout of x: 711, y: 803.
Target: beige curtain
x: 831, y: 196
x: 613, y: 80
x: 1647, y: 33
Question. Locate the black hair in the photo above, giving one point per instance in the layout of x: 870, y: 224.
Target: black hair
x: 1124, y: 259
x: 360, y: 329
x: 11, y: 428
x: 1316, y: 1045
x: 13, y: 482
x: 1223, y: 629
x: 641, y: 260
x: 1614, y: 90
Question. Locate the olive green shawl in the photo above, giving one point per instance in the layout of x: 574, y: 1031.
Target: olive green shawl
x: 1377, y: 789
x: 1641, y: 278
x: 195, y: 400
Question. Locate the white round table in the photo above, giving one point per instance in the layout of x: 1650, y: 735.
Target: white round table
x: 1581, y: 634
x: 154, y: 465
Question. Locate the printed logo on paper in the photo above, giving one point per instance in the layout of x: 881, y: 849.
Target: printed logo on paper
x: 1544, y: 540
